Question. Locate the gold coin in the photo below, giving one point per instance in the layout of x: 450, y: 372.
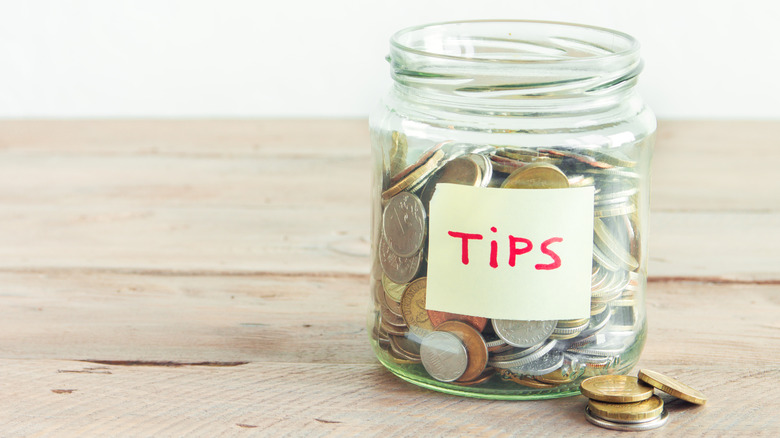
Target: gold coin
x: 672, y: 386
x: 398, y: 153
x: 476, y: 349
x: 413, y: 308
x: 616, y: 389
x: 415, y: 175
x: 392, y: 289
x: 628, y: 412
x: 525, y: 381
x: 536, y: 176
x: 571, y: 323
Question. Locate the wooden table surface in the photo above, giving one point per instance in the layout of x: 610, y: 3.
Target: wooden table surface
x: 209, y: 278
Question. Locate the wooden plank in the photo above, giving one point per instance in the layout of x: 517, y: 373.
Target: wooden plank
x: 94, y: 315
x: 270, y: 198
x: 713, y: 166
x: 698, y: 165
x: 214, y: 275
x: 271, y: 399
x: 327, y: 238
x: 280, y: 375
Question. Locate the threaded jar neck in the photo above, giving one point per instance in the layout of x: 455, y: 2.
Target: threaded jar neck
x: 524, y: 65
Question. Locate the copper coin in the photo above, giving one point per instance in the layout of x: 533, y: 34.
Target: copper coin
x: 525, y: 381
x: 438, y: 318
x: 484, y: 377
x: 462, y: 170
x: 475, y: 347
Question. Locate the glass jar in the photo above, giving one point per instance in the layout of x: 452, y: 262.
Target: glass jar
x: 510, y: 197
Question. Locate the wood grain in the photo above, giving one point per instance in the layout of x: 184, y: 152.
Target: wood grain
x: 209, y: 278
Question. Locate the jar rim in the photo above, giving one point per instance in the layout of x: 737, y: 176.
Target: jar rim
x: 622, y: 44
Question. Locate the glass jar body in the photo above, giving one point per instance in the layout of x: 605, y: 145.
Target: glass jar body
x: 599, y: 139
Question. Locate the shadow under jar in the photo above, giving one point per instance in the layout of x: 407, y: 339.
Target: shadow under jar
x: 510, y: 196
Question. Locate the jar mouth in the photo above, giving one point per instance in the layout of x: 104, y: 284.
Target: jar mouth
x: 513, y: 60
x: 515, y: 42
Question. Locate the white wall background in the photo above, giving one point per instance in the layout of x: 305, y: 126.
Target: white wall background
x: 241, y: 58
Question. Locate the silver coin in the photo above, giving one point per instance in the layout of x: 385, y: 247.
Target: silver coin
x: 528, y: 357
x: 444, y: 356
x: 544, y: 365
x: 611, y: 246
x: 523, y: 333
x: 398, y: 269
x: 485, y: 166
x: 610, y: 347
x: 403, y: 224
x: 613, y: 425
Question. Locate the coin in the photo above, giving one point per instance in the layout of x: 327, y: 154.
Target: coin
x: 475, y: 347
x: 544, y: 365
x: 462, y: 170
x: 527, y: 356
x: 397, y: 268
x: 615, y: 389
x: 443, y: 356
x: 628, y: 427
x: 609, y: 246
x: 438, y: 317
x: 536, y: 176
x: 405, y: 347
x: 523, y: 333
x: 416, y: 175
x: 398, y: 152
x: 392, y: 289
x: 591, y: 161
x: 482, y: 378
x: 672, y: 386
x: 504, y: 164
x: 403, y: 224
x: 484, y: 167
x: 413, y: 308
x: 628, y: 412
x: 615, y: 158
x: 525, y: 381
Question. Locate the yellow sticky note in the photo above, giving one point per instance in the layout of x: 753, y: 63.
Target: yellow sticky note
x: 520, y: 254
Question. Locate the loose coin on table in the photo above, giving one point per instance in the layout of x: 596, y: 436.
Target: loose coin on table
x: 672, y: 386
x: 615, y: 389
x: 637, y: 412
x: 628, y: 427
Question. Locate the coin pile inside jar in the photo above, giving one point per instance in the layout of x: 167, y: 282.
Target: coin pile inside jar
x: 628, y: 403
x: 470, y: 350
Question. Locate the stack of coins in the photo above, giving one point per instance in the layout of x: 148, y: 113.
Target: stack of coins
x: 542, y: 355
x: 628, y: 403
